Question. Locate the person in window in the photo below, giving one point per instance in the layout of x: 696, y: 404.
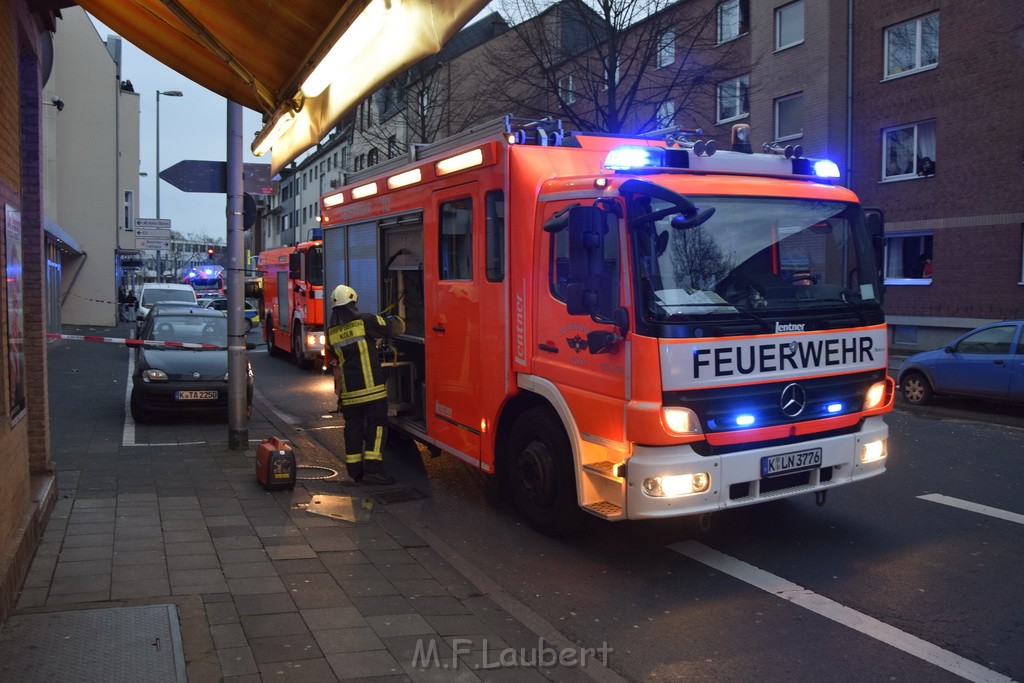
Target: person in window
x: 924, y: 266
x: 925, y: 167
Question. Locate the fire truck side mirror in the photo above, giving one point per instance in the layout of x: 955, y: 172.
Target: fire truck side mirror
x: 579, y: 299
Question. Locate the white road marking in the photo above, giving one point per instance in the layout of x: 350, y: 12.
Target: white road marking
x: 841, y: 614
x: 291, y: 420
x: 974, y: 507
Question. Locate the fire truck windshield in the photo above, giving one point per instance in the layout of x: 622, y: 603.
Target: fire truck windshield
x: 754, y: 258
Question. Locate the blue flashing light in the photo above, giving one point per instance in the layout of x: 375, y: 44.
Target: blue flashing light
x: 744, y: 420
x: 834, y: 407
x: 629, y: 157
x: 824, y: 168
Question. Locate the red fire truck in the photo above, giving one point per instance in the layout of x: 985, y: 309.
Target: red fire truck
x: 634, y: 328
x: 292, y: 304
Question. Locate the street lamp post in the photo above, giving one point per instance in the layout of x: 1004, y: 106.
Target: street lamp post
x: 166, y: 93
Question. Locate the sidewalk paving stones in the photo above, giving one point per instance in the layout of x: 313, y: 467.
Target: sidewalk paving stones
x: 264, y: 590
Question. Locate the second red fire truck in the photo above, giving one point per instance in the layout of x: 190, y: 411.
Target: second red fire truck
x: 292, y: 305
x: 633, y: 328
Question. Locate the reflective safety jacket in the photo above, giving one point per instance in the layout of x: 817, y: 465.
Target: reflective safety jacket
x: 352, y: 340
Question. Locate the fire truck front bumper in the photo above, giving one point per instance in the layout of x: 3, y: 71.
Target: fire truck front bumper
x: 675, y: 481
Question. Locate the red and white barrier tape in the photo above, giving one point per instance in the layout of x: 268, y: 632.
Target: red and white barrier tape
x: 136, y: 342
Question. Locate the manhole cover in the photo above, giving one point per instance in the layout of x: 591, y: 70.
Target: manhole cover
x: 399, y: 495
x: 314, y: 472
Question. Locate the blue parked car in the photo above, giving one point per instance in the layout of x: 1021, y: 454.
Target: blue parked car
x: 987, y: 362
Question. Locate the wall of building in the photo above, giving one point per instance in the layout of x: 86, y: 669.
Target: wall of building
x: 85, y: 190
x: 27, y: 487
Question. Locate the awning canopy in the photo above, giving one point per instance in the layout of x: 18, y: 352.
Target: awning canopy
x: 262, y: 53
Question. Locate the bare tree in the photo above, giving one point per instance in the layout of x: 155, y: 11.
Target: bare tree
x: 610, y: 65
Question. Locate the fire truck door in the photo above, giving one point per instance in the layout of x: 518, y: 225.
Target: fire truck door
x: 284, y: 309
x: 592, y: 384
x: 453, y: 259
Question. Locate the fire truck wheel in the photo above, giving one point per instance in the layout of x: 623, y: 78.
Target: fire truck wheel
x: 268, y: 335
x: 297, y: 354
x: 916, y: 388
x: 541, y: 473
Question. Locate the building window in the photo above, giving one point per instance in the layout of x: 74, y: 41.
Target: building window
x: 666, y: 114
x: 567, y: 89
x: 424, y: 103
x: 789, y: 25
x: 912, y: 46
x: 733, y: 102
x: 129, y: 210
x: 908, y: 151
x: 617, y: 76
x: 908, y: 258
x: 392, y: 147
x: 733, y: 19
x: 667, y: 48
x: 789, y: 117
x: 372, y: 157
x: 495, y: 235
x: 455, y: 247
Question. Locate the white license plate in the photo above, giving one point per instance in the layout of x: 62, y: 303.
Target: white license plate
x: 195, y: 395
x: 785, y: 463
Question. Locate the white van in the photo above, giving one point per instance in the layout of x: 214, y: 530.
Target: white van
x: 156, y: 292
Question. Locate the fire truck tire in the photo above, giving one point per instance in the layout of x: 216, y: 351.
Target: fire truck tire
x: 541, y: 473
x: 916, y: 388
x: 297, y: 354
x: 268, y: 335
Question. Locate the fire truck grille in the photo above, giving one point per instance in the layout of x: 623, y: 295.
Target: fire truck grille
x: 729, y: 409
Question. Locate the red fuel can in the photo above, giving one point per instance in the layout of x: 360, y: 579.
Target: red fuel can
x: 275, y: 464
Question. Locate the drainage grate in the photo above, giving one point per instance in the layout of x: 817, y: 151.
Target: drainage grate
x: 399, y: 495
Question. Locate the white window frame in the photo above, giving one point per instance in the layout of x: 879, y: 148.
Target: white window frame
x: 567, y: 89
x: 730, y: 20
x: 791, y: 136
x: 737, y: 84
x: 129, y: 210
x: 895, y: 262
x: 923, y: 145
x: 666, y: 114
x: 667, y: 48
x: 786, y: 13
x: 918, y: 28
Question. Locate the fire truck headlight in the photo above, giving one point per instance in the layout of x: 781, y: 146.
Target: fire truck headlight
x: 681, y: 420
x: 873, y: 451
x: 154, y: 375
x: 875, y: 396
x: 671, y: 486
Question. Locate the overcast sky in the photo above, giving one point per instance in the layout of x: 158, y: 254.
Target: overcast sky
x: 191, y: 127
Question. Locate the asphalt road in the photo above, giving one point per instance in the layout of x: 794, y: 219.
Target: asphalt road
x: 911, y: 576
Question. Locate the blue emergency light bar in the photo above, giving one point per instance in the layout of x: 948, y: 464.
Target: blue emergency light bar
x: 640, y: 159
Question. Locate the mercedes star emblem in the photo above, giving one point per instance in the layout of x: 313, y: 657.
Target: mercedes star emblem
x: 793, y: 400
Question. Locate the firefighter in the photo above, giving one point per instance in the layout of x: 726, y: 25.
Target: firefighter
x: 352, y: 339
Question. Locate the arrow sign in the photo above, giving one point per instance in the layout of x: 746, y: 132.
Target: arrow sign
x: 152, y: 243
x: 161, y: 233
x: 160, y: 223
x: 193, y: 175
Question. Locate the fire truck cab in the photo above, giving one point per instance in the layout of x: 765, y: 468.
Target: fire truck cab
x: 633, y: 328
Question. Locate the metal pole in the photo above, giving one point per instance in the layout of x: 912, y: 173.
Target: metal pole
x: 238, y: 426
x: 159, y: 265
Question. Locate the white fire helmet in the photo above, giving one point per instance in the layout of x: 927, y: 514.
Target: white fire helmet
x: 343, y: 295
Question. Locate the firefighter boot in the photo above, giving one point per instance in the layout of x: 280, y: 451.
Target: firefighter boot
x: 375, y: 473
x: 355, y: 470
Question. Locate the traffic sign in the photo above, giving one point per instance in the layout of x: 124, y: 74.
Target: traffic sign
x: 159, y: 233
x: 195, y: 175
x: 153, y: 223
x: 152, y: 243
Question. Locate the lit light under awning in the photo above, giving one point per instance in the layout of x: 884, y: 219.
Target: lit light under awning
x: 260, y: 56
